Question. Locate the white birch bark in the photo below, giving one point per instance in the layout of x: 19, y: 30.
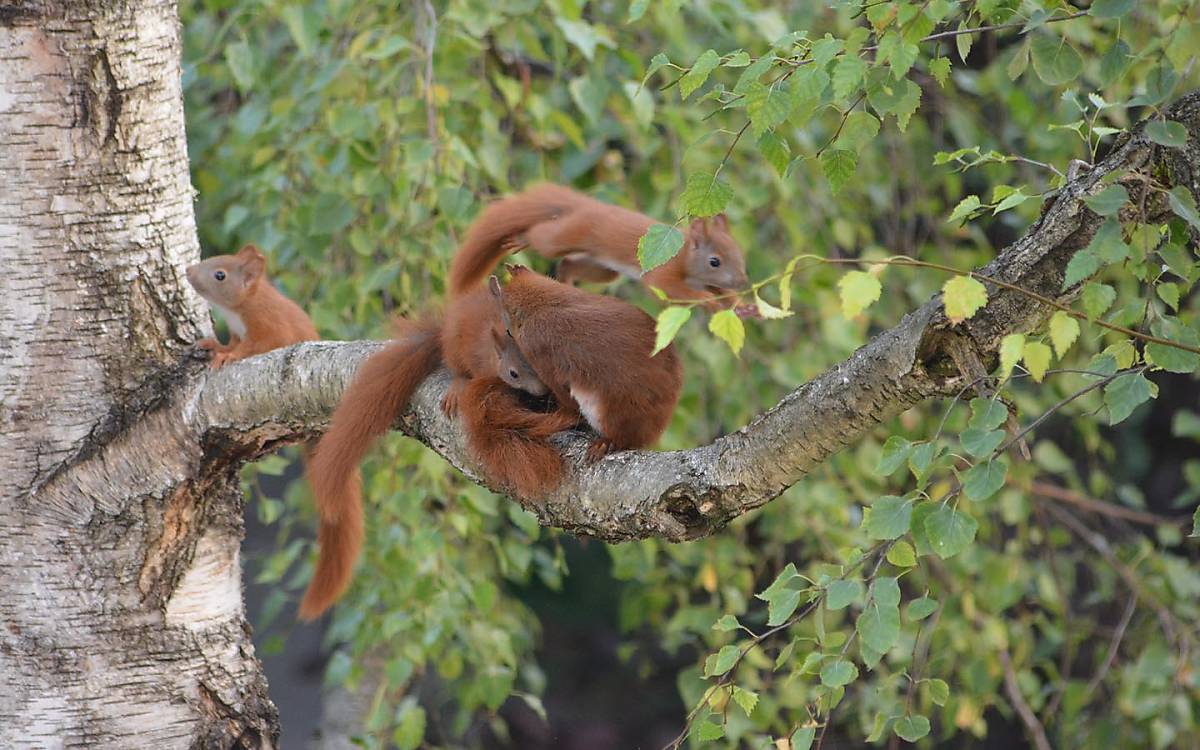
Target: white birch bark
x: 121, y: 620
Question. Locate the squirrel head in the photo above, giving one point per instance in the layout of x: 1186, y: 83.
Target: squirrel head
x: 512, y: 367
x: 227, y: 280
x: 715, y: 262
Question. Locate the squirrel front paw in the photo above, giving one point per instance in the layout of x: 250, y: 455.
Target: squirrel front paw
x: 208, y: 344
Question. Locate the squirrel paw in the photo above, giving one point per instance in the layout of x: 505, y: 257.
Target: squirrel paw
x: 220, y: 359
x: 512, y: 244
x: 747, y: 312
x: 598, y: 449
x: 209, y: 344
x: 450, y: 402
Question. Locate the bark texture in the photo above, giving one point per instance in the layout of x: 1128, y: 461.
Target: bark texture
x: 120, y: 587
x: 687, y: 494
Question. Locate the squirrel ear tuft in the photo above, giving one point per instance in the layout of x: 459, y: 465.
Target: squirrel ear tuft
x: 494, y: 287
x: 515, y: 269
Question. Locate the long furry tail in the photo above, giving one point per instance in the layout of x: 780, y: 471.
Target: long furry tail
x: 488, y: 238
x: 378, y: 395
x: 509, y: 440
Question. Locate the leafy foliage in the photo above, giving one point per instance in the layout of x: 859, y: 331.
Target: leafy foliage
x: 356, y: 141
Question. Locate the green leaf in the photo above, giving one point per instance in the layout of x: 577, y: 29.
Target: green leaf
x: 1111, y: 8
x: 739, y: 59
x: 767, y: 311
x: 858, y: 290
x: 895, y: 453
x: 727, y: 326
x: 825, y: 49
x: 1125, y: 394
x: 756, y: 71
x: 886, y: 590
x: 657, y: 63
x: 1114, y: 63
x: 768, y: 106
x: 1168, y: 292
x: 669, y: 321
x: 1167, y: 133
x: 746, y: 699
x: 984, y: 479
x: 240, y: 59
x: 1097, y: 298
x: 902, y: 555
x: 782, y: 605
x: 939, y: 691
x: 1012, y: 347
x: 698, y: 74
x: 962, y: 297
x: 1195, y: 524
x: 921, y: 457
x: 776, y: 150
x: 1037, y: 359
x: 965, y: 208
x: 981, y: 443
x: 637, y: 9
x: 1012, y: 200
x: 939, y: 68
x: 410, y: 729
x: 919, y: 609
x: 842, y: 594
x: 839, y: 166
x: 708, y: 730
x: 963, y: 42
x: 987, y: 413
x: 1054, y: 60
x: 803, y: 738
x: 722, y: 661
x: 1108, y: 201
x: 1170, y: 358
x: 1064, y: 330
x: 848, y: 75
x: 1019, y: 62
x: 658, y: 245
x: 810, y: 84
x: 1084, y: 263
x: 859, y: 130
x: 950, y: 531
x: 726, y: 623
x: 879, y: 625
x: 1184, y: 206
x: 912, y: 727
x: 705, y: 195
x: 584, y: 35
x: 898, y: 54
x: 838, y: 673
x: 890, y: 517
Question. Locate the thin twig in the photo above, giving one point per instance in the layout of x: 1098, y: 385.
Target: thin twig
x: 998, y: 27
x: 1037, y: 732
x: 1054, y: 492
x: 1113, y: 647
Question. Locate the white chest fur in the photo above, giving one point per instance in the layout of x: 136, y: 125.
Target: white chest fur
x: 236, y: 325
x: 589, y: 406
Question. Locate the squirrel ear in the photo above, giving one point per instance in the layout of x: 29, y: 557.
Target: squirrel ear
x: 698, y: 229
x: 253, y: 263
x: 720, y: 222
x: 494, y: 287
x: 498, y: 295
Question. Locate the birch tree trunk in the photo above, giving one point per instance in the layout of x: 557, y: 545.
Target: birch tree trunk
x: 121, y: 620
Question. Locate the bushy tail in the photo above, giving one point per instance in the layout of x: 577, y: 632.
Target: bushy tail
x: 378, y: 395
x: 488, y: 238
x: 509, y: 440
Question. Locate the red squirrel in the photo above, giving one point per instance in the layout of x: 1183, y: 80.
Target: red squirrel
x: 597, y: 241
x: 260, y: 318
x: 594, y: 354
x: 470, y: 340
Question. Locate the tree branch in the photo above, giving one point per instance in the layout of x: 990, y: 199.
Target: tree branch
x: 249, y: 407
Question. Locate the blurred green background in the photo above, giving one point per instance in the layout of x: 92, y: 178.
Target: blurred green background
x: 355, y: 141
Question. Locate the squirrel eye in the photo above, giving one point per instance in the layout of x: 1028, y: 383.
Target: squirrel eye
x: 219, y: 275
x: 714, y: 261
x: 514, y: 374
